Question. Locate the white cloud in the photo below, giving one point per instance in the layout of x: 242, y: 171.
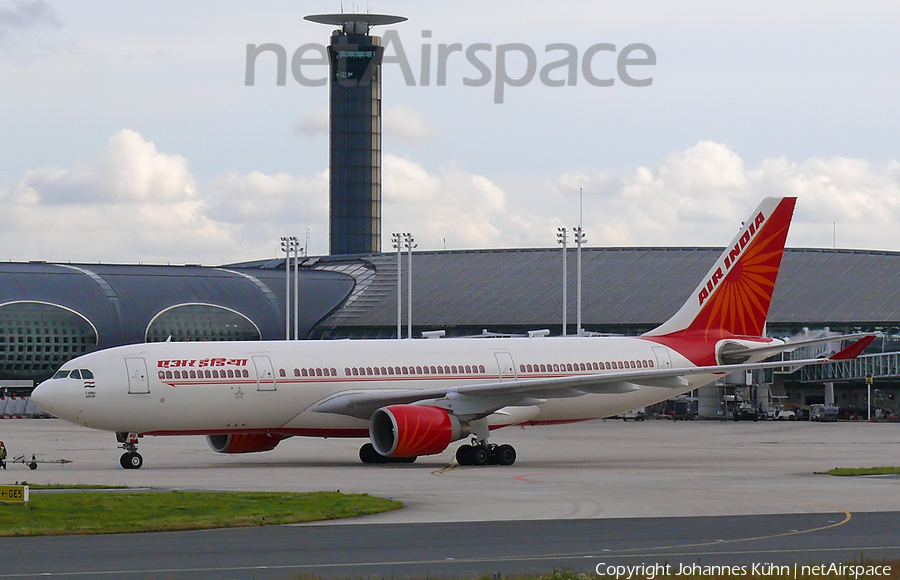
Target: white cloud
x: 134, y: 203
x: 24, y: 14
x: 313, y: 122
x: 129, y: 170
x: 700, y: 195
x: 407, y: 124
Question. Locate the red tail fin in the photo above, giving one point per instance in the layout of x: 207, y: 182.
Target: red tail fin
x: 733, y: 299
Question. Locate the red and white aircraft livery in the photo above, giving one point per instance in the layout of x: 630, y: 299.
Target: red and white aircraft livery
x: 416, y: 397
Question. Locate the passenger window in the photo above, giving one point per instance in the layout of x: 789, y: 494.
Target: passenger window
x: 297, y: 372
x: 245, y: 373
x: 480, y: 368
x: 162, y: 375
x: 193, y: 374
x: 418, y: 370
x: 334, y: 372
x: 318, y: 372
x: 231, y: 373
x: 61, y: 374
x: 281, y: 373
x: 76, y: 374
x: 215, y: 374
x: 440, y: 370
x: 207, y: 374
x: 168, y: 374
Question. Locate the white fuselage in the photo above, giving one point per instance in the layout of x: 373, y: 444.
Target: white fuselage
x: 243, y: 387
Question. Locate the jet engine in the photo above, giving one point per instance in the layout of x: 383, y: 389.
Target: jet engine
x: 237, y: 443
x: 413, y: 430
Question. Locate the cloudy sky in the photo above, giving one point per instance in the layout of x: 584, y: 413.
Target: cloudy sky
x: 128, y: 134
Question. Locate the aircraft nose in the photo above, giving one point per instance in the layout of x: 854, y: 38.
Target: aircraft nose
x: 46, y: 396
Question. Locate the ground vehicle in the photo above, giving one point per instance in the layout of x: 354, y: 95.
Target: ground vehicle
x: 785, y: 415
x: 746, y: 412
x: 634, y: 415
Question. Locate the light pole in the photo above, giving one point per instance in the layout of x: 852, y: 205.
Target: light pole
x: 296, y: 288
x: 395, y: 242
x: 286, y: 247
x: 562, y: 238
x: 408, y: 241
x: 869, y: 381
x: 579, y: 239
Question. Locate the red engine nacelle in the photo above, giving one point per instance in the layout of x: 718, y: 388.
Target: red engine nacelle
x: 413, y: 430
x: 237, y: 443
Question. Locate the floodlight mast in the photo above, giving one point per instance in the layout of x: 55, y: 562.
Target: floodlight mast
x: 355, y: 131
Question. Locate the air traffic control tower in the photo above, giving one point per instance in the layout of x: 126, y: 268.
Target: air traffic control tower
x: 355, y: 164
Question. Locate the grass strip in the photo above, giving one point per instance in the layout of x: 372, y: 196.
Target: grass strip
x: 122, y: 512
x: 852, y: 471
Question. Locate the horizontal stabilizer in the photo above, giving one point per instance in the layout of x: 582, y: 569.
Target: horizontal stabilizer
x: 854, y: 350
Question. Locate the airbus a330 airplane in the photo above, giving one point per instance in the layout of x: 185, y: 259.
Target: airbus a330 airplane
x: 416, y: 397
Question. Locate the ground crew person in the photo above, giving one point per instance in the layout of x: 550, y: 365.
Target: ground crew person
x: 2, y: 455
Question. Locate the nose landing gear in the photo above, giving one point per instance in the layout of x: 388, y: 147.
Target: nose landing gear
x: 131, y: 459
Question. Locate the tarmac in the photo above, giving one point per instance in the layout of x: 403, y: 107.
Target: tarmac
x: 597, y: 469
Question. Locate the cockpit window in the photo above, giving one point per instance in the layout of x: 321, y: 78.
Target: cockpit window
x: 76, y: 374
x: 86, y: 374
x: 61, y: 374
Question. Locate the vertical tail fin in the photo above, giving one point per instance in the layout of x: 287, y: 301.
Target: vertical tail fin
x: 733, y: 299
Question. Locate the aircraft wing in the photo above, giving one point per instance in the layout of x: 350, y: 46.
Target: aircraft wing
x: 485, y: 398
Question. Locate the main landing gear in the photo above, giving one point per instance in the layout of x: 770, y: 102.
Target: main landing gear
x: 483, y: 453
x: 131, y: 459
x: 367, y: 454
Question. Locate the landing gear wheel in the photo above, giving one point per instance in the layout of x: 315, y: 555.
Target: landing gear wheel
x: 131, y: 460
x: 464, y: 455
x: 480, y: 455
x: 506, y: 455
x: 367, y: 454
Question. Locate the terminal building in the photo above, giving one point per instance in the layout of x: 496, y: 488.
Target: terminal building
x: 50, y: 313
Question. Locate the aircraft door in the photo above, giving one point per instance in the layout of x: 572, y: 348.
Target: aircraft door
x: 265, y: 374
x: 506, y: 365
x: 663, y: 359
x: 138, y: 383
